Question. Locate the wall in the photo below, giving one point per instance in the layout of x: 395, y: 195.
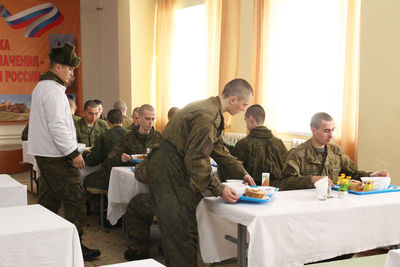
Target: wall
x: 379, y: 109
x: 99, y: 30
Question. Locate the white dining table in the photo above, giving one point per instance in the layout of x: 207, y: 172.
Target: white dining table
x: 138, y: 263
x: 34, y: 236
x: 122, y: 187
x: 393, y: 258
x: 12, y: 193
x: 296, y: 228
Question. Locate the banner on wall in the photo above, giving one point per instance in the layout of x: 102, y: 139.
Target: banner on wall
x: 28, y: 30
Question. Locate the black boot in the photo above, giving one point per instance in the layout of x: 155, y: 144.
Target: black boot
x: 89, y: 254
x: 131, y: 255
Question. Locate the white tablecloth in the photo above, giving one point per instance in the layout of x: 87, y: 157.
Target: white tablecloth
x: 393, y: 258
x: 122, y: 188
x: 295, y: 228
x: 34, y: 236
x: 12, y: 193
x: 139, y: 263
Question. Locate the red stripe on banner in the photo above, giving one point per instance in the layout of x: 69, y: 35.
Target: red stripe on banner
x: 48, y: 27
x: 25, y: 23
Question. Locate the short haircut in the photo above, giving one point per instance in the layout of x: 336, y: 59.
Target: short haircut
x: 98, y: 102
x: 114, y: 116
x: 172, y: 111
x: 317, y: 119
x: 257, y: 112
x: 71, y: 103
x: 146, y: 107
x: 237, y: 87
x: 135, y: 110
x: 121, y: 105
x: 90, y: 103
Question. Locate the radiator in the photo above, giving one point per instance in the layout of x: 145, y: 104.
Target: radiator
x: 232, y: 138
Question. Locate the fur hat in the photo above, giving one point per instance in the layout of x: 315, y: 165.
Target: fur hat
x: 65, y: 55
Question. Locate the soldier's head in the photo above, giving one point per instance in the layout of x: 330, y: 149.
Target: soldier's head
x: 322, y: 127
x: 100, y: 105
x: 147, y: 117
x: 114, y: 117
x: 254, y: 116
x: 135, y: 116
x: 172, y: 111
x: 236, y: 96
x: 72, y: 105
x: 91, y: 112
x: 121, y: 105
x: 63, y: 61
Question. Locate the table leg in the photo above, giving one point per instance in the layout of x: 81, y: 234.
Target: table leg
x: 241, y: 249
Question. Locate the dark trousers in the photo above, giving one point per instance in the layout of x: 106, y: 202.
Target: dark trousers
x: 175, y: 202
x: 60, y: 185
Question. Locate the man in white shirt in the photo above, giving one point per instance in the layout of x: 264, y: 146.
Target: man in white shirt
x: 52, y: 139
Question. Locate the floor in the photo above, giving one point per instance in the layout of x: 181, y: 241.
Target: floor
x: 112, y: 244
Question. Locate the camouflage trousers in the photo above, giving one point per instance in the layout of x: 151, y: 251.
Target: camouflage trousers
x: 60, y: 185
x: 138, y: 219
x: 175, y: 202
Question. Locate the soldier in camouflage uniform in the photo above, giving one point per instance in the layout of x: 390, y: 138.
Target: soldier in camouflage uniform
x: 179, y: 170
x: 316, y: 158
x: 53, y: 142
x: 127, y: 121
x: 137, y: 141
x: 105, y: 143
x: 260, y: 151
x: 89, y: 128
x: 100, y: 105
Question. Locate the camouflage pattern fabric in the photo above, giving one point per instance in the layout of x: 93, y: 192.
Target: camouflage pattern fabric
x: 260, y: 152
x: 127, y: 121
x: 24, y: 134
x: 60, y: 185
x: 138, y: 219
x: 180, y: 170
x: 131, y: 143
x: 75, y: 118
x: 304, y: 161
x: 89, y: 138
x: 102, y: 117
x: 175, y: 200
x: 103, y: 146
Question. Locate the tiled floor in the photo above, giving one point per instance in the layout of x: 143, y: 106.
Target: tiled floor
x: 112, y: 244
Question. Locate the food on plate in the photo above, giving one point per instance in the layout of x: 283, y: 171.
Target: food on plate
x: 255, y: 193
x: 141, y: 156
x: 356, y: 186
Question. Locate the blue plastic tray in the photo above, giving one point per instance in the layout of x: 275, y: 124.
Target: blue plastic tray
x: 257, y: 200
x: 137, y: 160
x: 392, y: 188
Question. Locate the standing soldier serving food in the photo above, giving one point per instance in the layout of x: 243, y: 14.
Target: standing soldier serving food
x: 179, y: 171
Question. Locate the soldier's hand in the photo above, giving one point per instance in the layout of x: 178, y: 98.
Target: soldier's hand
x: 79, y: 162
x: 125, y: 157
x: 229, y: 195
x: 248, y: 179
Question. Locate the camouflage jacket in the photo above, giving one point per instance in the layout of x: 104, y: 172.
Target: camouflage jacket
x: 103, y: 145
x: 127, y: 121
x: 75, y: 118
x: 261, y: 152
x: 195, y: 133
x: 89, y: 138
x: 303, y: 162
x: 132, y: 143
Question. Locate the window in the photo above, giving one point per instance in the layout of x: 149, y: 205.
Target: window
x: 189, y: 56
x: 304, y: 62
